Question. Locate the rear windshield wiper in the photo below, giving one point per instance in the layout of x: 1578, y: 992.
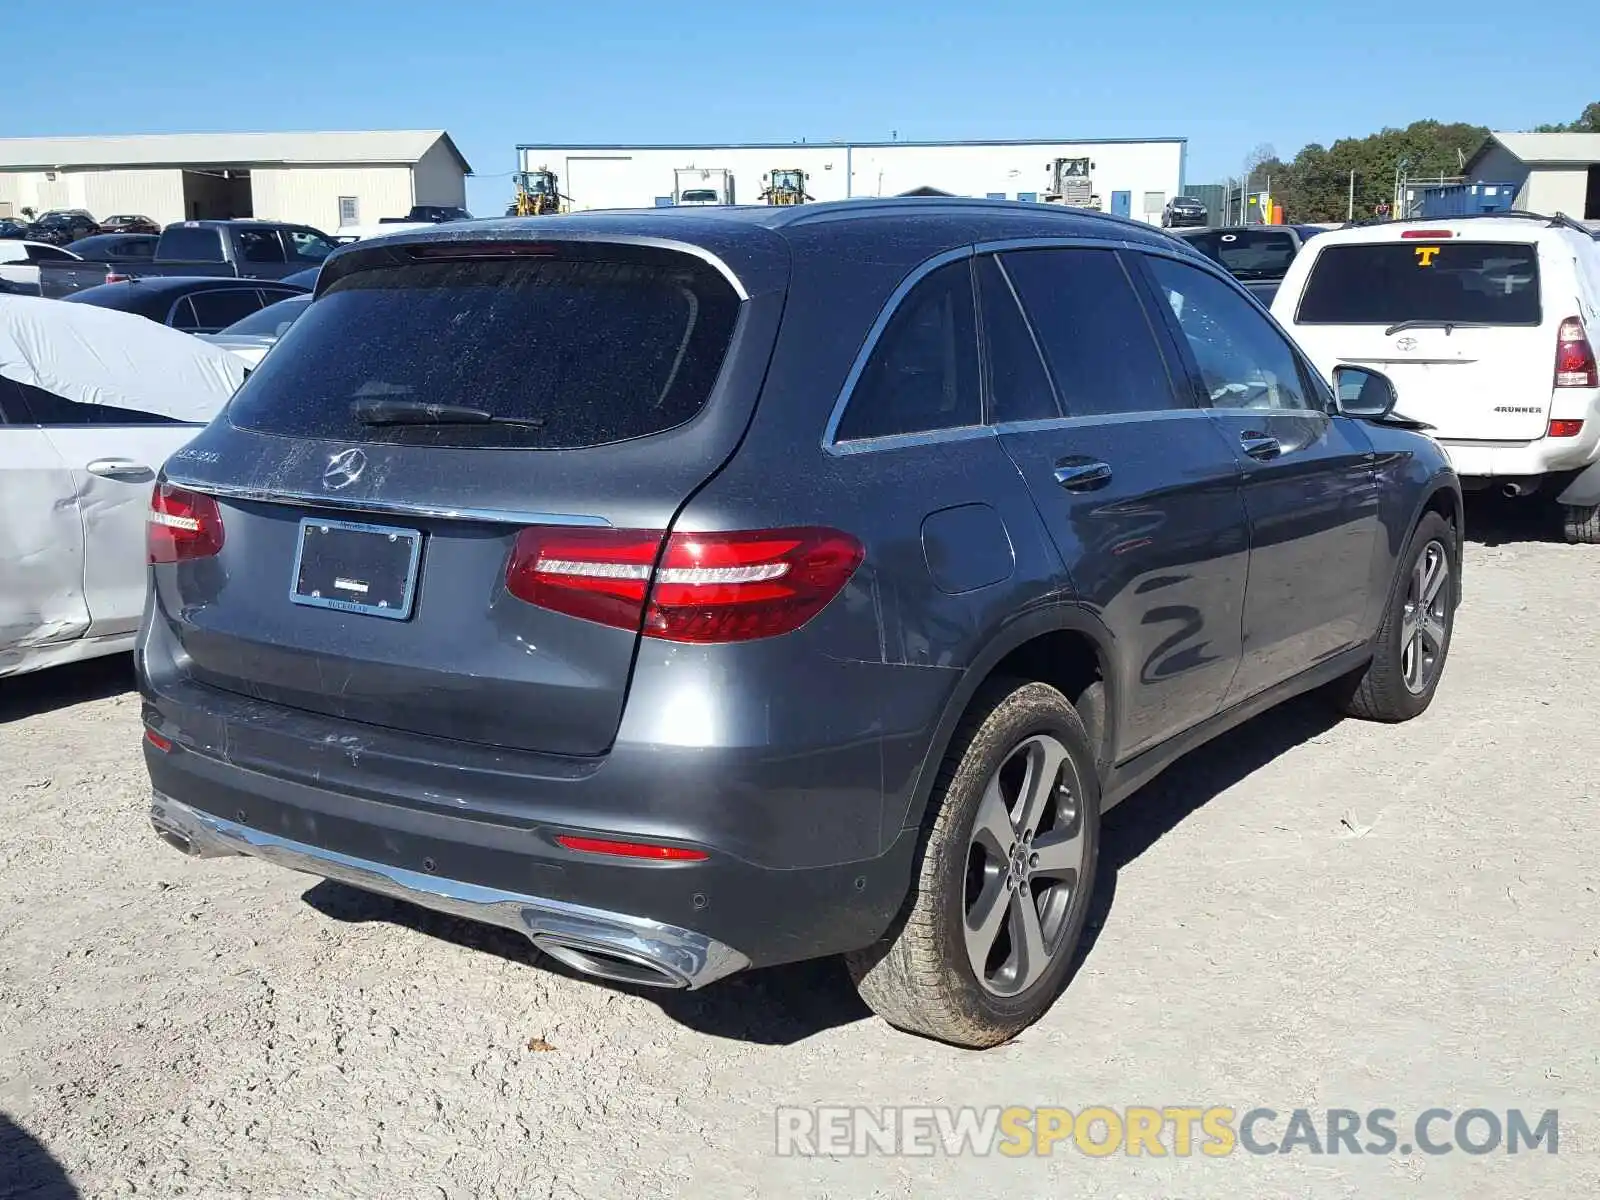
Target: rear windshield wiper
x: 1447, y: 326
x: 418, y: 412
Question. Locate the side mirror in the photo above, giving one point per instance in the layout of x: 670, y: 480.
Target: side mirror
x: 1367, y: 395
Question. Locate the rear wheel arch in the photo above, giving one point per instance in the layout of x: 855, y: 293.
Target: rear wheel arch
x: 1065, y: 646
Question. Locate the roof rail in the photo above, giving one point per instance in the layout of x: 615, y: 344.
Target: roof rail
x: 1558, y: 221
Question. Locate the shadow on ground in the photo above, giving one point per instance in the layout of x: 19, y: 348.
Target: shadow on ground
x: 784, y: 1005
x: 1495, y: 520
x: 27, y: 1170
x: 61, y: 687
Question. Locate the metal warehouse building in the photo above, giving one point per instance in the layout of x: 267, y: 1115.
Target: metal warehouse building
x: 1131, y: 177
x: 1552, y: 172
x: 319, y: 179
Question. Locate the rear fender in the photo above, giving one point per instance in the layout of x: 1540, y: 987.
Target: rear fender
x: 1055, y: 619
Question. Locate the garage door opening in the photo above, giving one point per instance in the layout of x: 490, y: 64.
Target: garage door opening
x: 217, y: 195
x: 1591, y: 203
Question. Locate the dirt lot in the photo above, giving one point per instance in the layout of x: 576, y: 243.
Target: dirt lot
x: 1308, y: 914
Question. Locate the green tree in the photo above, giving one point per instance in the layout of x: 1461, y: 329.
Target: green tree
x: 1588, y: 122
x: 1316, y: 185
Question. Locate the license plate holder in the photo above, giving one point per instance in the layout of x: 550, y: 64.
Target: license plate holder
x: 353, y: 567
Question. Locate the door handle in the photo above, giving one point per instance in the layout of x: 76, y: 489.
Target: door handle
x: 1083, y: 476
x: 1260, y: 445
x: 116, y: 468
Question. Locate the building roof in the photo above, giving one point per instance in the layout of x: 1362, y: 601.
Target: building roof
x: 830, y: 145
x: 389, y: 146
x: 1538, y: 149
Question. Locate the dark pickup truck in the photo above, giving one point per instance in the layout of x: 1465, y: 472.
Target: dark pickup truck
x: 242, y: 249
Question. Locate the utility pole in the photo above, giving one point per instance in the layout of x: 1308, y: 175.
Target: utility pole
x: 1350, y: 208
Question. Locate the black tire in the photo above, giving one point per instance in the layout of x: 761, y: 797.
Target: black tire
x: 1580, y: 524
x: 1379, y: 691
x: 920, y: 977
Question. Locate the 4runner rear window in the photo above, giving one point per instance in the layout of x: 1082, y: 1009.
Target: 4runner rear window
x: 565, y: 352
x: 1489, y: 283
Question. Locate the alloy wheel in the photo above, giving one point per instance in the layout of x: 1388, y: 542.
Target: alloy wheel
x: 1025, y: 861
x: 1425, y: 621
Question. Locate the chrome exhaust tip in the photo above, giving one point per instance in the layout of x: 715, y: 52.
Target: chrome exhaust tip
x: 605, y: 962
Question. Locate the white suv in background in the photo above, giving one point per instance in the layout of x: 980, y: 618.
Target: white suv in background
x: 1487, y: 326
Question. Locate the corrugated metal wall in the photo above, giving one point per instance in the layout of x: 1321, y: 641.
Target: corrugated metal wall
x: 310, y: 195
x: 155, y: 194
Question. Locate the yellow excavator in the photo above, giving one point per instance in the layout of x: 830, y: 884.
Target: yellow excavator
x: 786, y: 186
x: 538, y: 194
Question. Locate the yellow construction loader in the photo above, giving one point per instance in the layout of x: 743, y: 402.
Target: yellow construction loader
x: 786, y: 186
x: 538, y: 194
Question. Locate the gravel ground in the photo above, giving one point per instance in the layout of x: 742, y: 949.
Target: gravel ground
x: 1308, y: 914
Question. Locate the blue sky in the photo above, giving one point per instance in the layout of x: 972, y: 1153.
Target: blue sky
x: 1225, y: 74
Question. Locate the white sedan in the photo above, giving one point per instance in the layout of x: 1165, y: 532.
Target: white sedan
x: 19, y: 262
x: 92, y: 403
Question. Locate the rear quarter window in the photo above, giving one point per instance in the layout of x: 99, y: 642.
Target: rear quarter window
x: 1385, y: 283
x: 577, y: 351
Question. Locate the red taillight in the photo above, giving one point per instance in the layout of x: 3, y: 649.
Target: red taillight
x: 650, y: 850
x: 1575, y: 366
x: 115, y: 277
x: 1565, y: 428
x: 182, y: 525
x: 1429, y: 234
x: 706, y: 587
x: 155, y: 739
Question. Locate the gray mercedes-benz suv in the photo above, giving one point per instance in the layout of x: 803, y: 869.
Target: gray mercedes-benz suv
x: 701, y: 590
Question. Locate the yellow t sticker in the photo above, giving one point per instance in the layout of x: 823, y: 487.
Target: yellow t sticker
x: 1425, y: 255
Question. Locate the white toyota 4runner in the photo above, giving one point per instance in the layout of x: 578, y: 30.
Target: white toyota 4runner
x: 1487, y: 326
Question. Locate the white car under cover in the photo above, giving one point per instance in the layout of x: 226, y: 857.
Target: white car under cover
x: 92, y: 403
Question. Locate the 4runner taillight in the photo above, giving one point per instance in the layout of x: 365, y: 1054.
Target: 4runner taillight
x: 182, y: 525
x: 706, y: 587
x: 1575, y: 366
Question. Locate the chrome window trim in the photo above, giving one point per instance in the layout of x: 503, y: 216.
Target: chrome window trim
x: 916, y: 275
x: 1141, y: 416
x: 832, y: 446
x: 489, y: 516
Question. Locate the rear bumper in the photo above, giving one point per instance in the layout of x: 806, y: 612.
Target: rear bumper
x: 595, y: 940
x: 243, y: 777
x: 1523, y: 460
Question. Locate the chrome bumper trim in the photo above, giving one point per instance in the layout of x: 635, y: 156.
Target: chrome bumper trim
x: 684, y: 958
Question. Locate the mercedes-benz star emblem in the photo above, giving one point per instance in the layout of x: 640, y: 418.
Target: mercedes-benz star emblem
x: 343, y: 469
x: 1406, y: 344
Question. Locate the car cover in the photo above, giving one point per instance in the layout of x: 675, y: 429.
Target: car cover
x: 98, y: 355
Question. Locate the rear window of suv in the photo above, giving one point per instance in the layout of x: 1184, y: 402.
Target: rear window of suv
x: 1247, y: 253
x: 575, y: 352
x: 1488, y: 283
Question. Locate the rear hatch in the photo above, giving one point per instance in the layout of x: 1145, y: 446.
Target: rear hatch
x: 366, y: 537
x: 1457, y: 325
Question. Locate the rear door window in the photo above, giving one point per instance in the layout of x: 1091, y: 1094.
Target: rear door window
x: 1385, y: 283
x: 568, y: 351
x: 259, y: 246
x: 1095, y: 332
x: 922, y: 375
